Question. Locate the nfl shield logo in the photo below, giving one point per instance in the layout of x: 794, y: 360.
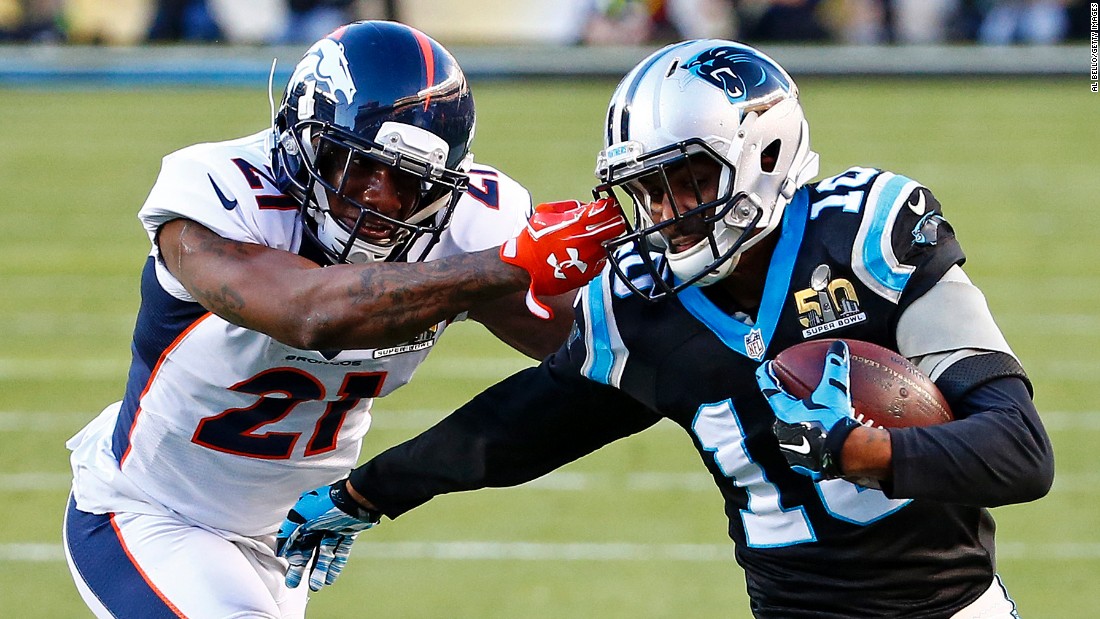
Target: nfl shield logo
x: 754, y: 344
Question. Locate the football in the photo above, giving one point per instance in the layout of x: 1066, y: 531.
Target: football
x: 888, y: 391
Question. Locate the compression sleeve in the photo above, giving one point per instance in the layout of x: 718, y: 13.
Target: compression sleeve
x: 996, y: 452
x: 521, y: 428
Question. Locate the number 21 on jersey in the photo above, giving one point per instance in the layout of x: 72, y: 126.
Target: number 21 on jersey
x: 237, y: 430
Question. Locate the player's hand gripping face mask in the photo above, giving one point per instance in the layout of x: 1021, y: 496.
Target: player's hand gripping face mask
x: 702, y: 101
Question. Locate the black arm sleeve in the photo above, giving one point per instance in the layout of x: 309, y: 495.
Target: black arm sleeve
x: 517, y: 430
x: 996, y: 452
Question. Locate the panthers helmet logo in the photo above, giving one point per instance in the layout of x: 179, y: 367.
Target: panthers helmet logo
x: 326, y: 65
x: 743, y: 76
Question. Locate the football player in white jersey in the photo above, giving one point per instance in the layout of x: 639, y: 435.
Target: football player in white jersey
x: 254, y: 368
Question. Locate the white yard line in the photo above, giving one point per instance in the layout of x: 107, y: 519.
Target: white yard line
x: 487, y: 550
x: 22, y: 482
x: 24, y: 421
x: 74, y: 368
x: 114, y: 366
x: 404, y: 419
x: 561, y: 481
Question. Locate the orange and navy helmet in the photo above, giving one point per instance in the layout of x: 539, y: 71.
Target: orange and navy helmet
x: 389, y: 93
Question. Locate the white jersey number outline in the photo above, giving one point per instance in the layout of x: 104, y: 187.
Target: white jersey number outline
x: 767, y: 523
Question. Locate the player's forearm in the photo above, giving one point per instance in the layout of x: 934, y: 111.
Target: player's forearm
x: 345, y: 306
x: 995, y: 453
x: 866, y: 454
x: 487, y: 442
x: 360, y: 499
x: 377, y: 305
x: 517, y: 430
x: 508, y: 319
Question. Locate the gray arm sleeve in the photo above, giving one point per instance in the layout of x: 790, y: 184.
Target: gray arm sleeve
x: 949, y: 323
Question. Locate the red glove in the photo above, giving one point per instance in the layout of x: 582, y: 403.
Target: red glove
x: 561, y: 247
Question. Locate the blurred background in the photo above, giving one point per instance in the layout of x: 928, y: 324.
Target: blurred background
x: 986, y: 102
x: 592, y: 22
x: 144, y: 42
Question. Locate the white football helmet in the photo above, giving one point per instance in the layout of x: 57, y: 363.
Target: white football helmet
x: 712, y: 99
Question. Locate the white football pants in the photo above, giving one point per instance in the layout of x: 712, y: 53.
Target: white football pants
x: 142, y: 566
x: 993, y: 604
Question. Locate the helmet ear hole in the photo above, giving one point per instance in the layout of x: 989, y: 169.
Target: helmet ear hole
x: 675, y: 64
x: 770, y: 156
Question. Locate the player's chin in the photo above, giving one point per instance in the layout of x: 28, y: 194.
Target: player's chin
x: 681, y: 244
x: 378, y: 235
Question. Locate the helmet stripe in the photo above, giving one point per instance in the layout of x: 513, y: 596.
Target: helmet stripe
x: 339, y: 32
x: 639, y: 72
x: 429, y: 63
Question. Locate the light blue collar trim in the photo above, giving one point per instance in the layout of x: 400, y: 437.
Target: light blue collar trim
x: 736, y: 334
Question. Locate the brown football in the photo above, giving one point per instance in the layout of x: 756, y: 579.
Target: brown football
x: 887, y: 390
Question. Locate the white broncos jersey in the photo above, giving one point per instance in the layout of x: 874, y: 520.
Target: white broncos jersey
x: 224, y: 426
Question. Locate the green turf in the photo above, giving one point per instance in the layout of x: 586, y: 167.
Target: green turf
x: 1013, y: 162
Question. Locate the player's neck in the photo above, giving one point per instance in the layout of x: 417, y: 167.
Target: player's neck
x: 742, y: 290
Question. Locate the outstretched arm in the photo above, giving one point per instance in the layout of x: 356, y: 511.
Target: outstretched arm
x: 508, y: 319
x: 300, y: 304
x: 518, y: 430
x: 373, y: 305
x: 522, y: 428
x: 561, y: 249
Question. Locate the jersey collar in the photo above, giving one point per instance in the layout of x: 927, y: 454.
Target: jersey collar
x: 752, y: 340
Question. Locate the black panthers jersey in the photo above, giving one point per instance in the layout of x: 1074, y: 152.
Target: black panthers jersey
x: 852, y: 252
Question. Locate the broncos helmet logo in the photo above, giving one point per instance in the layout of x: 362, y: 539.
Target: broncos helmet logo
x: 326, y: 65
x: 742, y: 75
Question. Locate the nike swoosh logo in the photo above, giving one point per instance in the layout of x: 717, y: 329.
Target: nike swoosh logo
x: 227, y: 204
x: 799, y: 448
x: 918, y: 207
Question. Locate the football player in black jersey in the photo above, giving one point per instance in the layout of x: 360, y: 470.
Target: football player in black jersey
x: 733, y: 256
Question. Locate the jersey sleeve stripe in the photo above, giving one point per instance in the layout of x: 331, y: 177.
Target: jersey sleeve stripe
x: 873, y: 257
x: 605, y: 353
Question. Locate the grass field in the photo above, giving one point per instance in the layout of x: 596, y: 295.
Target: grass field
x: 635, y: 530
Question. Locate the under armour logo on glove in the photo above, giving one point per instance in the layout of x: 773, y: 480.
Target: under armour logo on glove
x: 572, y: 261
x: 571, y: 229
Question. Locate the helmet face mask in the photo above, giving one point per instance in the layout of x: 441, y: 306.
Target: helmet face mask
x: 695, y: 182
x: 428, y: 193
x: 710, y: 101
x: 374, y: 94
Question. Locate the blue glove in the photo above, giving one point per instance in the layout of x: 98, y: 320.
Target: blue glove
x: 325, y: 520
x: 811, y: 432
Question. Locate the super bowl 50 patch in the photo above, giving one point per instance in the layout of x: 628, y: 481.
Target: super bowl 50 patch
x: 828, y: 304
